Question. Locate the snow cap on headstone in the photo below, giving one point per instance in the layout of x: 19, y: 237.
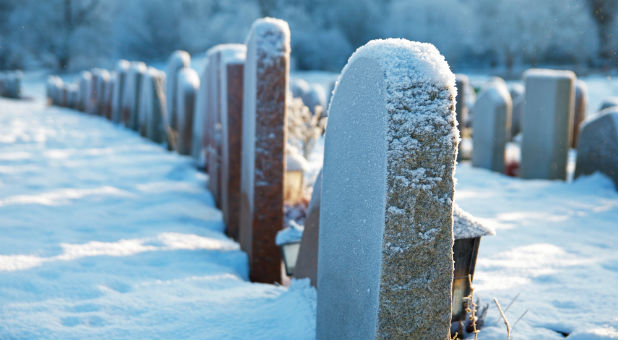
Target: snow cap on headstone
x: 274, y: 38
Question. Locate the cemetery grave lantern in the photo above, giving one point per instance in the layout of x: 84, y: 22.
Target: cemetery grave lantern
x: 289, y: 252
x: 467, y: 232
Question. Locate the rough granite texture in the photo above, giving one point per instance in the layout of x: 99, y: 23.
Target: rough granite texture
x: 263, y: 146
x: 416, y: 263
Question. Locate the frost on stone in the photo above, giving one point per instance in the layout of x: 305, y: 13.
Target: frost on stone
x: 272, y: 37
x: 467, y: 226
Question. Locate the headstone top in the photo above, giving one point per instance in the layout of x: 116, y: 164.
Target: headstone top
x: 227, y: 50
x: 188, y: 78
x: 408, y: 63
x: 273, y: 37
x: 123, y: 65
x: 548, y: 73
x: 608, y: 103
x: 180, y: 59
x: 138, y: 66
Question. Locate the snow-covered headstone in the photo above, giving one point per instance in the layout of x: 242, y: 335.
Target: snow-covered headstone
x: 597, y: 149
x: 130, y: 97
x: 491, y: 126
x: 213, y: 116
x: 108, y: 93
x: 579, y: 111
x: 546, y: 124
x: 177, y: 61
x: 91, y: 104
x: 265, y: 84
x: 122, y: 68
x: 84, y: 79
x: 385, y: 260
x: 152, y: 104
x: 232, y: 67
x: 187, y: 85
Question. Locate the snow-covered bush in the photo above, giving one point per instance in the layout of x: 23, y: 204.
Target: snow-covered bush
x: 303, y: 127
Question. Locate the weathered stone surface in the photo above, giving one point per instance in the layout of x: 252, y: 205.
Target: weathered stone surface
x: 491, y: 126
x: 547, y: 123
x: 231, y: 141
x: 385, y: 264
x: 597, y: 149
x: 579, y: 111
x: 188, y: 83
x: 265, y: 83
x: 307, y: 262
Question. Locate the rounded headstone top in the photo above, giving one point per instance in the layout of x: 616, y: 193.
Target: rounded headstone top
x: 123, y: 65
x: 272, y: 38
x: 180, y: 59
x: 233, y: 53
x: 138, y: 67
x: 398, y: 56
x: 549, y: 73
x: 85, y: 75
x: 188, y: 79
x: 497, y: 90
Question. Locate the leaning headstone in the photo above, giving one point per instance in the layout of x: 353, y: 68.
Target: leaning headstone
x: 546, y: 124
x: 130, y: 97
x: 579, y: 111
x: 177, y: 61
x: 122, y: 68
x: 608, y: 102
x: 263, y: 146
x: 188, y: 83
x: 517, y: 97
x: 232, y: 67
x: 597, y: 149
x: 491, y: 127
x: 385, y: 260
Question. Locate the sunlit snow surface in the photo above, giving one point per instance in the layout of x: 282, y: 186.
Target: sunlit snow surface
x: 105, y: 235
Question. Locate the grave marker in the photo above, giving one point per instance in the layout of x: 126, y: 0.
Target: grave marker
x: 547, y: 123
x: 152, y: 105
x: 177, y: 61
x: 232, y: 68
x: 491, y: 126
x: 385, y: 260
x: 265, y: 84
x: 130, y: 97
x: 598, y: 146
x: 122, y: 68
x: 579, y: 112
x: 187, y: 84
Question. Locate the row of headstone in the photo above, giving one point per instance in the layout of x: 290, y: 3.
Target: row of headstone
x: 548, y: 112
x: 10, y: 84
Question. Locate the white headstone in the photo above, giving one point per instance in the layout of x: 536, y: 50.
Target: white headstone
x: 491, y: 126
x: 547, y: 123
x: 385, y: 260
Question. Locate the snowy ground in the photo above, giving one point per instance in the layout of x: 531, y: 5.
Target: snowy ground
x: 106, y: 235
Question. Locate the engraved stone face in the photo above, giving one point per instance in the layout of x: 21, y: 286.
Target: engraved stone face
x: 385, y: 263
